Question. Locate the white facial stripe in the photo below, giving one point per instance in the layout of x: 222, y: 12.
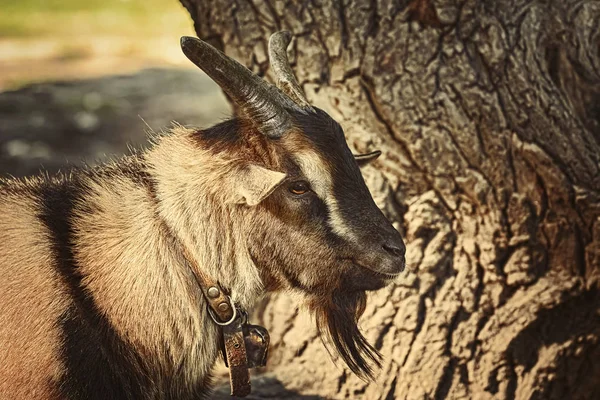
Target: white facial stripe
x: 315, y: 171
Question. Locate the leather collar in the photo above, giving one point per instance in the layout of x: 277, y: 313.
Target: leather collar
x: 232, y: 320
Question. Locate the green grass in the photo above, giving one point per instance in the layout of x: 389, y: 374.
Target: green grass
x: 64, y: 18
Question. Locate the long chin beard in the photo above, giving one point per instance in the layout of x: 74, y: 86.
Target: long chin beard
x: 337, y: 317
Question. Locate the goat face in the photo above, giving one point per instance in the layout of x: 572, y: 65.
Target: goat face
x: 315, y: 227
x: 323, y: 232
x: 320, y: 232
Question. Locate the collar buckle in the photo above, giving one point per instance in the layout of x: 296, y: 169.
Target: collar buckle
x: 217, y: 320
x: 244, y: 346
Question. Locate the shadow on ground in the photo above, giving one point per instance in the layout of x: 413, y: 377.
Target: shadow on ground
x: 54, y: 125
x: 264, y: 387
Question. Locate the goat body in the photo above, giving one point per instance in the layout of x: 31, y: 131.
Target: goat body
x: 97, y: 299
x: 97, y: 302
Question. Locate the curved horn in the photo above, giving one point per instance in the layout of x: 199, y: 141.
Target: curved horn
x: 286, y: 80
x: 261, y: 102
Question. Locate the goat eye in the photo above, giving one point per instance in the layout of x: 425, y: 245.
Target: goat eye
x: 299, y: 187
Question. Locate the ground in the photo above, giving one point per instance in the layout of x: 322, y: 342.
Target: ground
x: 80, y: 81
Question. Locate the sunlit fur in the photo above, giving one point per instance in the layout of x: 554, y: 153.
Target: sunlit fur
x: 96, y: 300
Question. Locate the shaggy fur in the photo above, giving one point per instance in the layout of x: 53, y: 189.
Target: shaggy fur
x: 97, y: 302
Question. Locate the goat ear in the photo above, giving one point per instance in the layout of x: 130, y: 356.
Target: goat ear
x: 364, y: 159
x: 254, y: 183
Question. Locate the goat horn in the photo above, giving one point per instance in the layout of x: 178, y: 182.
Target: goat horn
x: 286, y: 80
x: 263, y: 103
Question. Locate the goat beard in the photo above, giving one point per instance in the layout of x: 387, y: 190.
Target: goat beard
x: 337, y: 322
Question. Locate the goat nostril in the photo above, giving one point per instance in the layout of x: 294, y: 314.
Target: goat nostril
x: 393, y: 249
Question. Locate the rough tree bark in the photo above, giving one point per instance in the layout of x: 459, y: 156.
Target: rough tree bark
x: 488, y: 116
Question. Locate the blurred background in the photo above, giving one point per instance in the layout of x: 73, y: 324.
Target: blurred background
x: 80, y: 80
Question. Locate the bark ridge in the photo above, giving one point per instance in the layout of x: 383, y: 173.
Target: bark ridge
x: 487, y: 115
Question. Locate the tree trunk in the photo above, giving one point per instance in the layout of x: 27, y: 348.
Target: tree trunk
x: 488, y: 116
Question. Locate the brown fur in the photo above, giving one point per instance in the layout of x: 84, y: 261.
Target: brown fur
x: 98, y: 253
x: 129, y: 264
x: 32, y: 300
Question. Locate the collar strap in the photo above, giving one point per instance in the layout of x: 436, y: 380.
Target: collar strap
x: 224, y: 313
x: 219, y: 303
x: 236, y: 358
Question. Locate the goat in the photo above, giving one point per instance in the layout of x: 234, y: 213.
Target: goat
x: 97, y: 299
